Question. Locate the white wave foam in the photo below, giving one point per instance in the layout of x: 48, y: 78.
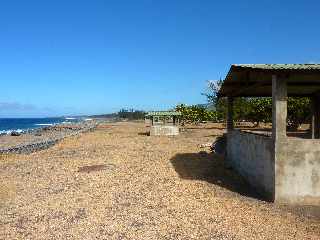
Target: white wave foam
x: 5, y: 132
x: 70, y: 118
x: 44, y: 124
x: 8, y: 132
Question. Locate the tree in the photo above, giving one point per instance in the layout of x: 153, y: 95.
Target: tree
x: 258, y: 110
x: 131, y: 114
x: 299, y: 111
x: 195, y: 114
x: 240, y: 105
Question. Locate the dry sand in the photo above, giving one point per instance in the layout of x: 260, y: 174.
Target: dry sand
x: 118, y: 183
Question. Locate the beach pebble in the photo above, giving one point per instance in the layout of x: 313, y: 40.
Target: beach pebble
x: 114, y: 183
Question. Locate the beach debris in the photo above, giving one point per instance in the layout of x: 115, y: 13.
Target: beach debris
x: 205, y: 145
x: 95, y: 168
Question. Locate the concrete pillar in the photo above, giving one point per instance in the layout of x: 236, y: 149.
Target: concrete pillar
x: 230, y: 114
x: 279, y: 108
x: 279, y: 135
x: 315, y: 124
x: 230, y: 127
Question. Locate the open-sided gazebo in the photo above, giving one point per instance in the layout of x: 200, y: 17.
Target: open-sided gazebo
x: 284, y: 169
x: 164, y: 123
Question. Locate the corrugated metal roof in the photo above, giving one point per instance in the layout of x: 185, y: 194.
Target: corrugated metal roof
x: 252, y: 80
x: 280, y: 66
x: 163, y: 113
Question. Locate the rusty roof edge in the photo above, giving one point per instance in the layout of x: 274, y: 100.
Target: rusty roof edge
x: 229, y: 72
x: 269, y: 69
x: 279, y: 66
x: 228, y: 76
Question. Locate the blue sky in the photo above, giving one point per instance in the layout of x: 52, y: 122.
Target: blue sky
x: 87, y: 57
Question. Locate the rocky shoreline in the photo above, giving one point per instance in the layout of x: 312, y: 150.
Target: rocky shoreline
x: 40, y: 139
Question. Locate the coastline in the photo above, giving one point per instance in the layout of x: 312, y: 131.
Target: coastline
x: 37, y: 139
x: 25, y: 125
x: 124, y: 184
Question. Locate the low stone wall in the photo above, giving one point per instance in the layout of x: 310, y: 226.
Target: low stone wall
x: 42, y: 145
x: 251, y: 155
x: 298, y: 176
x: 160, y: 130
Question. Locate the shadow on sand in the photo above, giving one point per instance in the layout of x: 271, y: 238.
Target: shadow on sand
x: 210, y: 167
x: 205, y: 128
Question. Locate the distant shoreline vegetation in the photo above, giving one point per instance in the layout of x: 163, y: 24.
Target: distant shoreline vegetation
x: 130, y: 114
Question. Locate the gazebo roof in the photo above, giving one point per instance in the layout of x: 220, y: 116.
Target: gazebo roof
x: 162, y: 114
x: 255, y: 80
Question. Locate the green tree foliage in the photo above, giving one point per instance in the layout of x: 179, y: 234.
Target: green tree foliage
x: 299, y: 111
x: 195, y: 114
x: 258, y: 110
x: 131, y: 114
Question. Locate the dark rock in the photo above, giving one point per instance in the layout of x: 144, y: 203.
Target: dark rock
x: 219, y: 146
x: 15, y: 134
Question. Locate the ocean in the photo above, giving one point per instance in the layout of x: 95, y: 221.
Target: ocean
x: 7, y: 125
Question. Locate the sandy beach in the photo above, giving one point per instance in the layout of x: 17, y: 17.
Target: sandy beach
x: 118, y: 183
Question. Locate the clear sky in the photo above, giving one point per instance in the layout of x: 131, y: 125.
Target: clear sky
x: 87, y: 57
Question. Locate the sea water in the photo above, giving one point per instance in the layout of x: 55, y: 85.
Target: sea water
x: 8, y: 125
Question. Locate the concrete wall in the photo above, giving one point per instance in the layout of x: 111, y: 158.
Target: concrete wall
x: 252, y: 156
x: 298, y: 176
x: 160, y: 130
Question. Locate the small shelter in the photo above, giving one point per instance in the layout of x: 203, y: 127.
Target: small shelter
x: 164, y: 123
x: 284, y: 168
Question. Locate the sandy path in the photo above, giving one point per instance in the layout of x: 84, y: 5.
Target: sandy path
x: 139, y: 187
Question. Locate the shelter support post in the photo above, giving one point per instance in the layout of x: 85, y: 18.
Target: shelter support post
x: 230, y: 125
x: 152, y: 120
x: 315, y: 125
x: 279, y: 108
x: 279, y: 134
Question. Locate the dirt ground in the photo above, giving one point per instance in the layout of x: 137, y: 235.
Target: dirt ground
x: 119, y: 183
